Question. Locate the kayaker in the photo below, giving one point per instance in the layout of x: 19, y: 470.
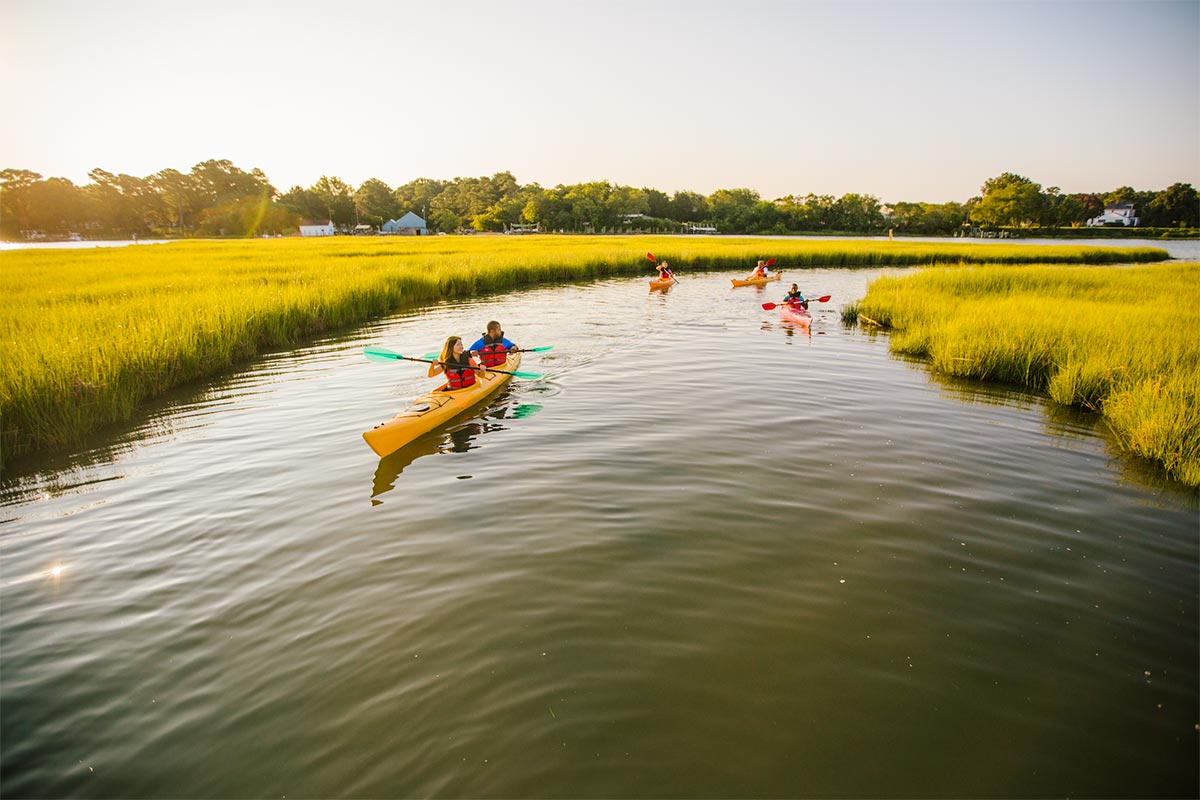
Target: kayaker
x: 457, y: 364
x: 760, y: 271
x: 664, y: 271
x: 795, y: 298
x: 492, y: 347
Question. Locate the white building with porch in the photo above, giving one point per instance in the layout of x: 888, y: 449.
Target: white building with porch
x: 1120, y: 213
x: 317, y: 228
x: 408, y: 225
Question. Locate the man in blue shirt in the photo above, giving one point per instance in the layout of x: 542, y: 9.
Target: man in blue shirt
x: 492, y: 347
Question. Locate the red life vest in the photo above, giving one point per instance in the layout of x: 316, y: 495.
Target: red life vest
x: 493, y: 355
x: 458, y: 377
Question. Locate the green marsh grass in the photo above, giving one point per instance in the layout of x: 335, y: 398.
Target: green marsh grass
x: 90, y: 334
x: 1124, y: 342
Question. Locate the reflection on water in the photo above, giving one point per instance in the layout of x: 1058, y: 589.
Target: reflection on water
x: 460, y: 438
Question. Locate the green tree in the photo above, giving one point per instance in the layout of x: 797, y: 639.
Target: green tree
x: 56, y: 206
x: 219, y: 182
x: 338, y: 198
x: 1008, y: 200
x: 179, y: 197
x: 689, y: 207
x: 658, y: 204
x: 858, y: 212
x: 15, y: 209
x: 1177, y: 206
x: 733, y: 209
x: 375, y: 202
x: 306, y: 204
x: 422, y: 196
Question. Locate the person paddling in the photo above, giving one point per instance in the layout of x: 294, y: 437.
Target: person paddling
x: 492, y: 347
x: 457, y: 364
x: 795, y: 299
x: 664, y: 271
x: 760, y: 271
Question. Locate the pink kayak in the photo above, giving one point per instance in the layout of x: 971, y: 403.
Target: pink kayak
x: 796, y: 316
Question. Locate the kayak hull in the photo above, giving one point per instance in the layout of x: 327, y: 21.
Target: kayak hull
x: 435, y: 408
x: 757, y: 281
x: 795, y: 316
x: 659, y: 286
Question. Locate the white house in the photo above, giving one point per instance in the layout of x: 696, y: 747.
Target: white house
x: 1121, y: 213
x: 317, y: 229
x: 408, y: 225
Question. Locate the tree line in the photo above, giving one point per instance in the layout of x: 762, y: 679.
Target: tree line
x: 217, y: 198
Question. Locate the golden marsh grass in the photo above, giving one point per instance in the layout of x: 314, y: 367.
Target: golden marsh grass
x: 1124, y: 342
x: 90, y: 334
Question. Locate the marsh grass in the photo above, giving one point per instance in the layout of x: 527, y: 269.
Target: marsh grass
x: 89, y: 335
x: 1122, y: 342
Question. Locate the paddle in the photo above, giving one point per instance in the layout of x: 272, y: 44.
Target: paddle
x: 383, y: 354
x: 511, y: 350
x: 773, y: 306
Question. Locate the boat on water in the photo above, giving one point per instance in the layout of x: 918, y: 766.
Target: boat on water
x: 756, y: 281
x: 438, y: 407
x: 796, y: 316
x: 662, y: 286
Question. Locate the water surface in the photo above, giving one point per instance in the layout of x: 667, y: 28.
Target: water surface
x: 708, y: 556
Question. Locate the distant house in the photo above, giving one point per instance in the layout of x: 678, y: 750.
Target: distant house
x: 408, y: 225
x: 1120, y: 213
x: 363, y: 230
x: 317, y: 228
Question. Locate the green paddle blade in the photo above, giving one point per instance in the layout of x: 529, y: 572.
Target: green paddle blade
x: 381, y: 354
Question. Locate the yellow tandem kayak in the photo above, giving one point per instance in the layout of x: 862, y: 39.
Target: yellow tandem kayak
x: 435, y: 408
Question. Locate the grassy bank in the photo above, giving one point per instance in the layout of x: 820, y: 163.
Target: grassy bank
x: 90, y: 334
x: 1122, y: 342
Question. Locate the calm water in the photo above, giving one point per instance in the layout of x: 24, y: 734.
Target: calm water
x: 708, y: 556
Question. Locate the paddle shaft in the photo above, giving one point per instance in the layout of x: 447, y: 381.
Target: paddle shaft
x: 379, y: 353
x: 459, y: 366
x: 773, y: 306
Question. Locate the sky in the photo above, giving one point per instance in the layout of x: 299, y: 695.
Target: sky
x: 906, y: 101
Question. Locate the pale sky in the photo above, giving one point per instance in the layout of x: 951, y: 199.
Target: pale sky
x: 916, y: 101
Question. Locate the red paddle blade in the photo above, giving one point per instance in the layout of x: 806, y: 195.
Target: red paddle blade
x: 771, y: 262
x: 651, y: 256
x: 824, y: 299
x: 769, y: 306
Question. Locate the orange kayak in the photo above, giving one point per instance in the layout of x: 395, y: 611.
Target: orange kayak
x: 757, y: 281
x: 657, y: 286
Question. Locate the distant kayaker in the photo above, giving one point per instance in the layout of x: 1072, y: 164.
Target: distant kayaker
x: 664, y: 271
x: 760, y: 271
x: 492, y: 347
x: 795, y: 298
x: 457, y: 364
